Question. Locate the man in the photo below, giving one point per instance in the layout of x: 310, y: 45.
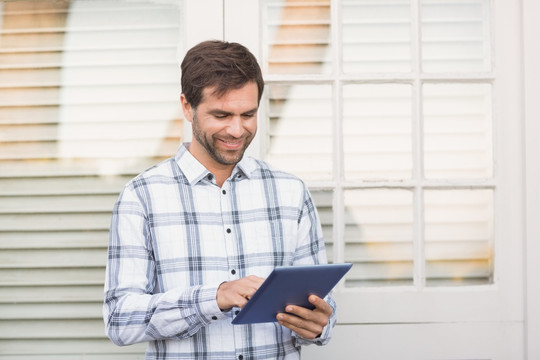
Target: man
x: 193, y: 237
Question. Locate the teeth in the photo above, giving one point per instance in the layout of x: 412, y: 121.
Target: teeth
x: 231, y: 142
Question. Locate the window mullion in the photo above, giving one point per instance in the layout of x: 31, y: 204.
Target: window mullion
x: 417, y: 139
x: 337, y: 104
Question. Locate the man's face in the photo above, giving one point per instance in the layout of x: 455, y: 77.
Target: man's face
x: 223, y: 127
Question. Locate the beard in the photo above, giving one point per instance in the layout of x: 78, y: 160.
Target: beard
x: 224, y: 157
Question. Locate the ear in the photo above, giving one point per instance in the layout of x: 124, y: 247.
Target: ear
x: 186, y: 108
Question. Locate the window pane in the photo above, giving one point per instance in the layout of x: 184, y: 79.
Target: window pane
x: 298, y: 37
x: 376, y: 36
x: 300, y: 132
x: 377, y: 131
x: 323, y: 201
x: 455, y: 36
x: 457, y: 131
x: 459, y: 237
x: 379, y: 237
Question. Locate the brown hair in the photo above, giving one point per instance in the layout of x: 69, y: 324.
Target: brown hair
x: 227, y: 66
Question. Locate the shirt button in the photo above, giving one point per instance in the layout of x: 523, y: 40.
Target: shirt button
x: 233, y: 271
x: 237, y: 312
x: 210, y: 176
x: 240, y: 357
x: 223, y: 192
x: 214, y: 317
x: 228, y: 231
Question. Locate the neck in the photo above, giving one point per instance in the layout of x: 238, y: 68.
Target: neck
x: 221, y: 171
x: 221, y: 175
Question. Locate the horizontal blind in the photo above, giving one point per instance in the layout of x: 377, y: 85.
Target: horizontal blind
x: 88, y: 98
x: 323, y: 199
x: 459, y: 236
x: 456, y: 36
x: 458, y: 131
x: 298, y: 37
x: 378, y: 236
x: 376, y: 36
x: 402, y: 152
x: 377, y: 131
x: 300, y: 129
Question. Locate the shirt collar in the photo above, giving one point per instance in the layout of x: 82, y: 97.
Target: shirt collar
x: 195, y: 171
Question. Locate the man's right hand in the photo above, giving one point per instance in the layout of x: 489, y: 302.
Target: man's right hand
x: 237, y: 292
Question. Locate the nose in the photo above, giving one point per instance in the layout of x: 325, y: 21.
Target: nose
x: 235, y: 127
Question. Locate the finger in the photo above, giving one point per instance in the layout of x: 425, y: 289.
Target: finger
x: 320, y: 314
x: 321, y: 305
x: 305, y: 328
x: 236, y: 293
x: 254, y: 278
x: 254, y: 281
x: 306, y: 316
x: 249, y: 292
x: 240, y: 299
x: 306, y: 334
x: 241, y: 302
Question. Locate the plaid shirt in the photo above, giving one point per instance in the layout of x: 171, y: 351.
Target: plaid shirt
x: 176, y: 236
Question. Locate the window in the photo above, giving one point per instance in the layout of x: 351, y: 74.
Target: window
x: 386, y: 108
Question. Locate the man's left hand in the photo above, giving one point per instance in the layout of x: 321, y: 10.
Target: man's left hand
x: 307, y: 323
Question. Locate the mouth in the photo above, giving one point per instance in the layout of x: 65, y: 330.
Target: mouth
x: 231, y: 144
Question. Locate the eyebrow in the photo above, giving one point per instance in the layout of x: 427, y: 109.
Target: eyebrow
x: 222, y: 112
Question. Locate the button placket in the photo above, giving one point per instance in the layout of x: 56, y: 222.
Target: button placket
x: 227, y: 226
x: 225, y: 206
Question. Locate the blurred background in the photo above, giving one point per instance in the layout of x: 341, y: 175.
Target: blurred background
x: 410, y: 121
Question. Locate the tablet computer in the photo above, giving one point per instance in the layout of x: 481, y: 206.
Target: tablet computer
x: 290, y: 285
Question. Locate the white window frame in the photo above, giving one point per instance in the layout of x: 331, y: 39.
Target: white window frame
x: 419, y: 303
x: 501, y: 300
x: 531, y: 79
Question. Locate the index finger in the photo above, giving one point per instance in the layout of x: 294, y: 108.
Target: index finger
x: 255, y: 281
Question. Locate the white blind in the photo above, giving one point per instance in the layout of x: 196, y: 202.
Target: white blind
x: 300, y: 131
x: 378, y: 236
x: 376, y: 36
x: 403, y: 157
x: 456, y: 36
x: 298, y: 36
x: 458, y: 131
x: 377, y: 131
x: 88, y: 98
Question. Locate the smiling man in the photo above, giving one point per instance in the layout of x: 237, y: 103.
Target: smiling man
x: 223, y: 127
x: 193, y: 237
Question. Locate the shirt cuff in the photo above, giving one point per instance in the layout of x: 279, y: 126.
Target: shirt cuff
x: 208, y: 308
x: 323, y: 339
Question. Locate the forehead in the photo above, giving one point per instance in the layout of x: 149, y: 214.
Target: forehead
x: 247, y: 95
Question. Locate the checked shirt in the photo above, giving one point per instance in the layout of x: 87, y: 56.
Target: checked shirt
x: 176, y: 236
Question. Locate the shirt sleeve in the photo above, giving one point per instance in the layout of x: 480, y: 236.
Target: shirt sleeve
x: 131, y: 312
x: 310, y: 249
